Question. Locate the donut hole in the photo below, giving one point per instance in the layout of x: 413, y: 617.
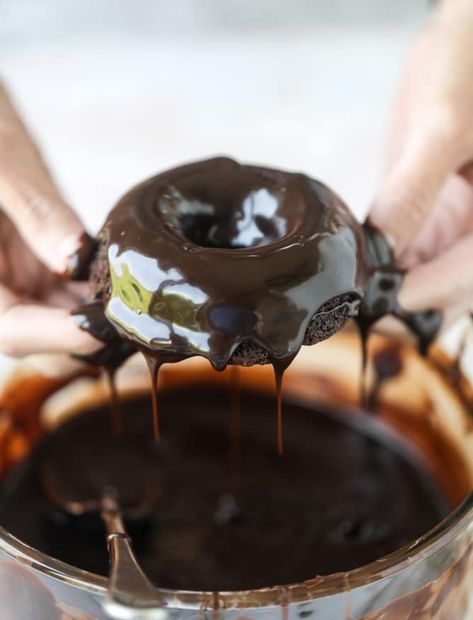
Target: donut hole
x: 255, y: 220
x: 232, y: 208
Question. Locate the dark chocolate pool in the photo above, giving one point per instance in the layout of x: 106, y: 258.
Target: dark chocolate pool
x: 346, y: 491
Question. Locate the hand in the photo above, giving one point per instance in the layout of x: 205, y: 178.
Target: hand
x: 38, y: 234
x: 425, y: 202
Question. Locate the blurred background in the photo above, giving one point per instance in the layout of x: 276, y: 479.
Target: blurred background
x: 116, y: 91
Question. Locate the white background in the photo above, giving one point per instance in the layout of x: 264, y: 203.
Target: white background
x: 116, y: 91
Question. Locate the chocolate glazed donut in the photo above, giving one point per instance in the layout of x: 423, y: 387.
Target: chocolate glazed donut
x: 239, y: 264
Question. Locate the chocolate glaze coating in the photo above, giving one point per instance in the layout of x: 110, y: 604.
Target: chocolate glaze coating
x: 226, y: 260
x: 240, y: 264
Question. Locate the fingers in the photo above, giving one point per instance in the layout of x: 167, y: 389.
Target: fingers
x: 67, y: 295
x: 19, y: 266
x: 408, y: 194
x: 444, y: 283
x: 432, y: 136
x: 29, y: 196
x: 27, y: 328
x: 33, y: 204
x: 451, y: 217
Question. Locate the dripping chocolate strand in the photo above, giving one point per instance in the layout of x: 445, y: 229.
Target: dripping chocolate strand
x: 154, y: 365
x: 235, y: 421
x: 387, y: 364
x: 115, y: 413
x: 364, y: 335
x: 278, y: 377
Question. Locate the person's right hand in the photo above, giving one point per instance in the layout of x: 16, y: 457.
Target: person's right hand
x: 38, y: 234
x: 425, y: 202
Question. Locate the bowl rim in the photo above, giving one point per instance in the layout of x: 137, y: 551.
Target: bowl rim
x: 451, y: 527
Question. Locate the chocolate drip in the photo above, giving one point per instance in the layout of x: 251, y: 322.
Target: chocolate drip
x: 364, y: 335
x: 279, y: 368
x: 154, y: 366
x: 278, y: 377
x: 387, y: 364
x: 235, y: 423
x: 115, y: 413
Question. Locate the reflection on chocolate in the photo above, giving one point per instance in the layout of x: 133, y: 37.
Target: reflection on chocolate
x: 280, y: 520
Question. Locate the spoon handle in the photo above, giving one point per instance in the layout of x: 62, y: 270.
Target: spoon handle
x: 130, y: 595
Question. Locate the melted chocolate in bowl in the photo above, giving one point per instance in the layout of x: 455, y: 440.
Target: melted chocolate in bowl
x: 346, y: 492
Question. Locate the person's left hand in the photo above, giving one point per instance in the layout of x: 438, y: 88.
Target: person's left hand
x: 38, y: 234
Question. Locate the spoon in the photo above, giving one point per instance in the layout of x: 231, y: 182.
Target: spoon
x: 130, y: 595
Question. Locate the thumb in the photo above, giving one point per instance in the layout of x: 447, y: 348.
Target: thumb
x: 29, y: 196
x: 408, y: 192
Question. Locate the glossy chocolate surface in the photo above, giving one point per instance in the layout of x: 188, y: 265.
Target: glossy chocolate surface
x: 240, y: 264
x: 213, y: 254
